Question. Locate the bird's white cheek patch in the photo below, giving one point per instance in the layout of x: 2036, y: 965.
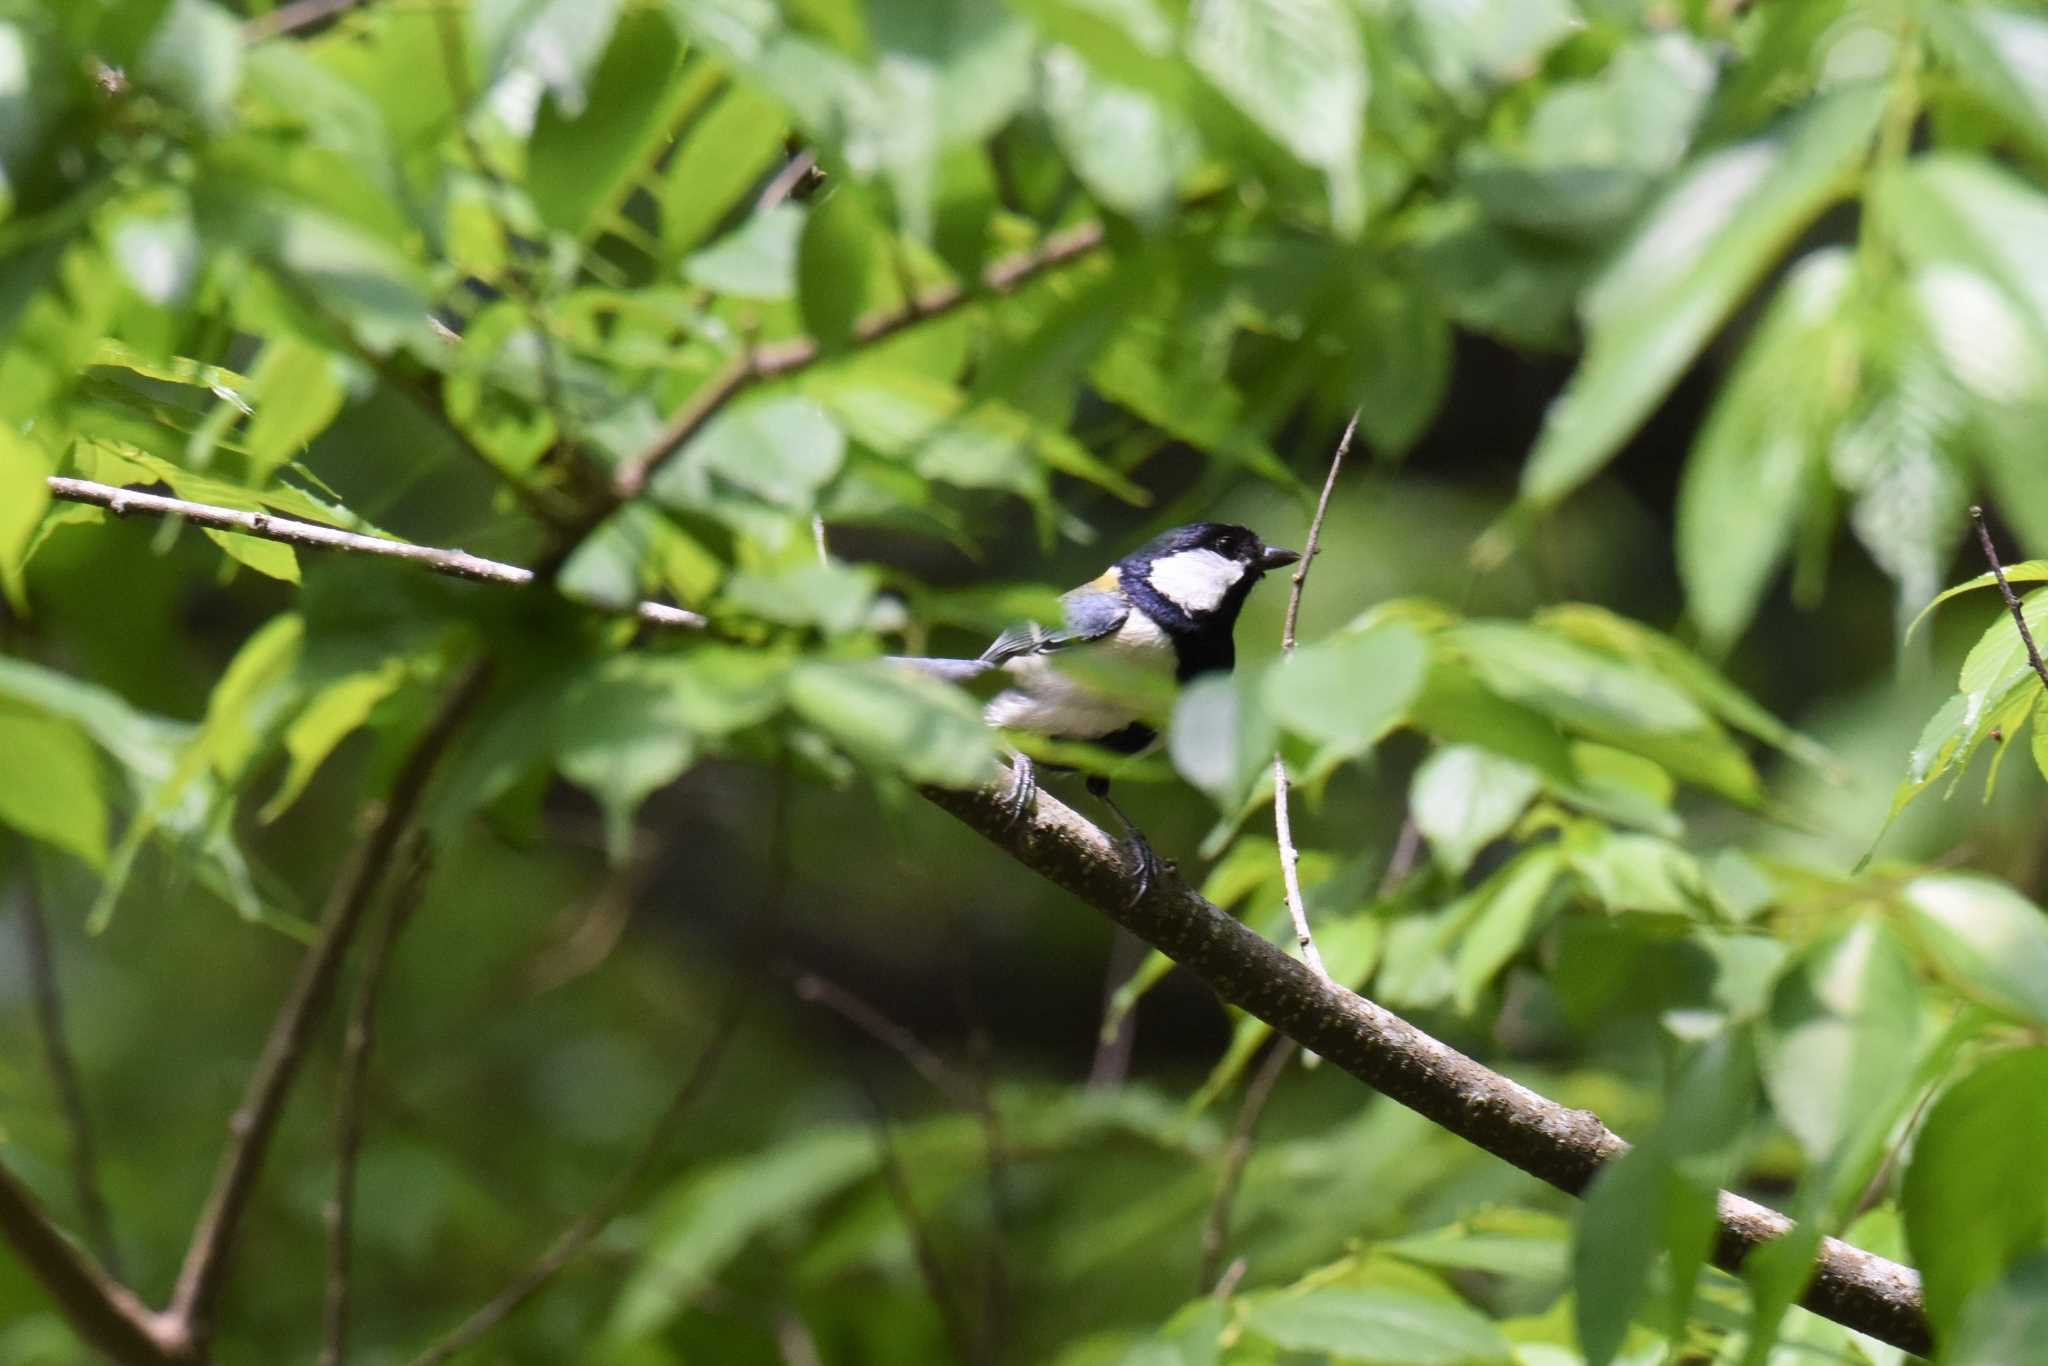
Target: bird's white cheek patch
x: 1195, y: 580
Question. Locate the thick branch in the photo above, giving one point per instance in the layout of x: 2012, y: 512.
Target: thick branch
x: 1562, y: 1146
x: 255, y: 1121
x: 456, y: 564
x: 99, y: 1309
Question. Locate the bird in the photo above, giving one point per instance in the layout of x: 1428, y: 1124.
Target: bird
x: 1166, y: 611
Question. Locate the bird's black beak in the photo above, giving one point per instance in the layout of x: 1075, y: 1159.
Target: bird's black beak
x: 1276, y: 557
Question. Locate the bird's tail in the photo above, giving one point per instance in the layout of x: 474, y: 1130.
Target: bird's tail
x: 952, y: 670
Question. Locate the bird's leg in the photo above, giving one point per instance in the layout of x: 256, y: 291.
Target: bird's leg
x: 1023, y: 787
x: 1136, y: 846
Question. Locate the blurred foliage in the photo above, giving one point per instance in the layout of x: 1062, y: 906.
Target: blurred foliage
x: 1642, y: 307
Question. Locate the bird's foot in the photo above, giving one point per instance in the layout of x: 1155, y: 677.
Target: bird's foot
x: 1023, y: 793
x: 1148, y: 870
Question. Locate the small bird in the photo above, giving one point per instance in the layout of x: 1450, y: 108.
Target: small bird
x: 1165, y: 611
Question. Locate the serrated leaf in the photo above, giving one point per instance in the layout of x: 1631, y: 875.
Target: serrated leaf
x: 1464, y: 797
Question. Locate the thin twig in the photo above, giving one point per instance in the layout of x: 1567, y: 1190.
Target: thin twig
x: 1283, y: 818
x: 1114, y: 1044
x: 930, y: 1266
x: 571, y: 1242
x: 64, y: 1082
x: 290, y: 18
x: 1232, y: 1277
x: 1551, y: 1142
x: 1216, y: 1230
x: 357, y: 1042
x: 816, y: 990
x: 785, y: 358
x: 457, y: 564
x: 793, y: 174
x: 255, y: 1121
x: 2012, y: 603
x: 1407, y: 847
x: 102, y: 1311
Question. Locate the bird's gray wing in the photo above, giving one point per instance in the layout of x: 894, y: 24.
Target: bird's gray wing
x: 1091, y: 613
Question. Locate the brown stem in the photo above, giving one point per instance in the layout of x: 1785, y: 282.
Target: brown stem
x: 1216, y: 1231
x: 2012, y: 603
x: 97, y: 1307
x: 357, y: 1042
x: 1562, y: 1146
x: 456, y: 564
x: 1283, y: 815
x: 64, y: 1082
x: 255, y: 1122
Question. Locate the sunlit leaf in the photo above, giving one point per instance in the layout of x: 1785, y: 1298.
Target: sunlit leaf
x: 1988, y: 939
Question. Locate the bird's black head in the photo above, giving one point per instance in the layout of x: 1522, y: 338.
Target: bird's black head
x: 1193, y: 581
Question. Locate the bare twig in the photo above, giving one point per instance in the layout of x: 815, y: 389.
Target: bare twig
x: 816, y: 990
x: 312, y: 536
x: 793, y: 1341
x: 571, y: 1242
x: 64, y: 1082
x: 1562, y: 1146
x: 255, y: 1121
x: 930, y: 1266
x: 98, y: 1308
x: 792, y: 175
x: 1115, y: 1043
x: 1283, y: 818
x: 357, y: 1042
x: 1407, y: 845
x: 2012, y: 602
x: 290, y: 18
x: 788, y: 357
x: 1216, y: 1230
x: 1232, y: 1277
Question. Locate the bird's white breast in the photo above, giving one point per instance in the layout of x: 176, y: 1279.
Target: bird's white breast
x: 1050, y: 700
x: 1195, y: 580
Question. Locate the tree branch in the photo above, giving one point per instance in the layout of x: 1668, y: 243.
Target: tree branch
x: 1283, y: 817
x: 255, y: 1121
x: 357, y: 1042
x: 1562, y: 1146
x: 70, y: 1094
x: 456, y: 564
x: 2012, y: 603
x: 97, y: 1307
x: 1216, y: 1230
x: 786, y: 358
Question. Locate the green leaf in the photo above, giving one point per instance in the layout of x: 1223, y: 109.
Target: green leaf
x: 272, y: 559
x: 1348, y: 691
x: 1741, y: 497
x: 52, y: 792
x: 716, y: 163
x: 840, y: 250
x: 835, y: 598
x: 1508, y: 907
x: 1999, y: 658
x: 1129, y: 150
x: 1631, y: 1207
x: 781, y: 450
x: 897, y: 720
x: 24, y: 494
x: 583, y: 158
x: 2002, y: 57
x: 536, y: 47
x: 1630, y: 872
x: 2028, y: 571
x: 296, y: 390
x: 1579, y: 686
x: 2004, y: 1321
x: 708, y: 1220
x: 1464, y: 797
x: 1976, y: 1192
x: 1221, y: 738
x: 756, y: 260
x: 1297, y: 70
x: 1379, y: 1324
x: 1842, y: 1039
x: 1476, y: 44
x: 2038, y: 743
x: 1986, y: 938
x: 196, y: 59
x: 332, y: 713
x: 1710, y: 238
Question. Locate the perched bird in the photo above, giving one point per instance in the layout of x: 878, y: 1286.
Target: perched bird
x: 1166, y: 611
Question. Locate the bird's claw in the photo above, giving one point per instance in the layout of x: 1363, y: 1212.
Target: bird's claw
x: 1023, y: 793
x: 1148, y: 870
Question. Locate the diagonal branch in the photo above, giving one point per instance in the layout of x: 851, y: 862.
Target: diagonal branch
x: 1562, y: 1146
x: 255, y: 1121
x: 786, y: 358
x: 64, y: 1082
x: 457, y: 564
x: 97, y: 1307
x: 2012, y: 602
